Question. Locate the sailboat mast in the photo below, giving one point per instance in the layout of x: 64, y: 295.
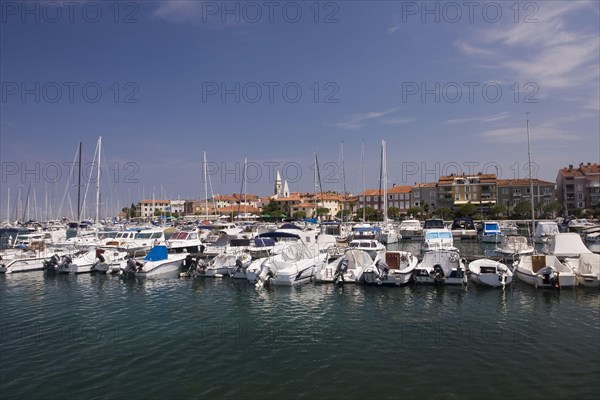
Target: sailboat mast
x: 205, y: 190
x: 79, y: 188
x: 384, y: 180
x: 8, y: 206
x: 245, y: 185
x: 98, y: 181
x: 362, y: 165
x: 530, y: 177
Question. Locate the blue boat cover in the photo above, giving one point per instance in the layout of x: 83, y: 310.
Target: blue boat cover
x: 157, y: 253
x: 263, y: 242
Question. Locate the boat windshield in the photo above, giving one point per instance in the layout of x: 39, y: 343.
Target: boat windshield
x: 438, y: 235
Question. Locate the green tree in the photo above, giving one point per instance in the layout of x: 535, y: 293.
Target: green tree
x: 271, y: 208
x: 322, y: 211
x: 393, y: 212
x: 370, y: 214
x: 299, y: 215
x: 497, y: 210
x: 414, y: 211
x: 551, y: 209
x: 466, y: 210
x: 522, y: 210
x: 443, y: 212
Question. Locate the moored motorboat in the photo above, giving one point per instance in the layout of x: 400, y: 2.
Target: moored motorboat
x: 544, y: 271
x: 391, y: 268
x: 489, y: 273
x: 345, y: 269
x: 442, y: 267
x: 586, y: 268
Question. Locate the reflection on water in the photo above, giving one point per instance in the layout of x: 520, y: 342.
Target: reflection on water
x: 196, y: 338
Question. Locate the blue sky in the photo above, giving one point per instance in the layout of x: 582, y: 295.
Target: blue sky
x: 447, y: 86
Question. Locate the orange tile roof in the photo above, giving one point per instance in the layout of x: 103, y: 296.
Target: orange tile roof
x: 521, y: 182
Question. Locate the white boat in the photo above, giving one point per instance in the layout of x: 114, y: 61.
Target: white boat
x: 567, y: 244
x: 188, y: 241
x: 514, y: 245
x: 391, y: 268
x: 222, y: 264
x: 371, y: 246
x: 489, y: 273
x: 345, y: 269
x: 509, y: 228
x: 389, y: 234
x: 296, y: 264
x: 545, y: 230
x: 463, y: 229
x: 87, y: 261
x: 438, y: 239
x: 545, y: 271
x: 365, y: 231
x: 157, y: 262
x: 411, y: 229
x: 442, y: 267
x: 579, y: 225
x: 31, y: 260
x: 491, y: 232
x: 586, y: 269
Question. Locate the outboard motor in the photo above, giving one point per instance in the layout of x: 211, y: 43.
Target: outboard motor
x: 131, y: 267
x: 239, y: 266
x: 64, y: 264
x: 502, y: 272
x: 201, y: 267
x: 100, y: 260
x: 190, y: 264
x: 438, y: 273
x: 383, y: 270
x: 51, y: 265
x: 265, y: 275
x: 340, y: 270
x: 550, y: 276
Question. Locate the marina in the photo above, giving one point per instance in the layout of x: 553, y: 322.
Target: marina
x: 194, y: 335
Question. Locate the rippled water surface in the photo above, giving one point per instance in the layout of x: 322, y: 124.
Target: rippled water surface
x: 97, y: 336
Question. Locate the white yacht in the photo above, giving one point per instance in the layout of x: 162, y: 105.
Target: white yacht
x: 545, y: 271
x: 489, y: 273
x: 371, y: 246
x: 442, y: 267
x: 33, y: 258
x: 438, y: 239
x: 463, y: 229
x: 391, y: 268
x: 411, y: 229
x: 184, y: 241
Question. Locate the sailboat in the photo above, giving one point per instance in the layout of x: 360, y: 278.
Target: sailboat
x: 545, y: 271
x: 389, y: 234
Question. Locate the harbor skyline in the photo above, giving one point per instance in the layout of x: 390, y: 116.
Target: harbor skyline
x: 447, y: 86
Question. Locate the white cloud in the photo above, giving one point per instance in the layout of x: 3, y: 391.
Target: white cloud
x: 551, y: 52
x: 484, y: 118
x: 358, y: 121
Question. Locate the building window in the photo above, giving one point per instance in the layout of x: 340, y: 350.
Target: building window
x: 579, y: 196
x: 432, y: 195
x: 416, y: 195
x: 580, y: 204
x: 579, y: 187
x: 505, y: 191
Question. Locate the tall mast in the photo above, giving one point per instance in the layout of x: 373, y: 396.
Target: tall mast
x: 98, y: 181
x: 342, y: 180
x: 384, y: 179
x: 79, y: 189
x: 362, y: 165
x: 245, y: 185
x: 530, y: 177
x: 8, y: 206
x: 205, y: 189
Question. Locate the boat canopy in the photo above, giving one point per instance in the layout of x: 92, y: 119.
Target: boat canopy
x: 278, y: 234
x: 157, y: 253
x: 264, y: 242
x: 290, y: 226
x: 491, y: 227
x: 545, y: 228
x: 566, y: 245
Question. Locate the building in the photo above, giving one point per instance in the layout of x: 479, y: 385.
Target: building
x: 397, y: 197
x: 456, y: 190
x: 148, y: 208
x: 578, y: 188
x: 512, y: 191
x: 425, y: 196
